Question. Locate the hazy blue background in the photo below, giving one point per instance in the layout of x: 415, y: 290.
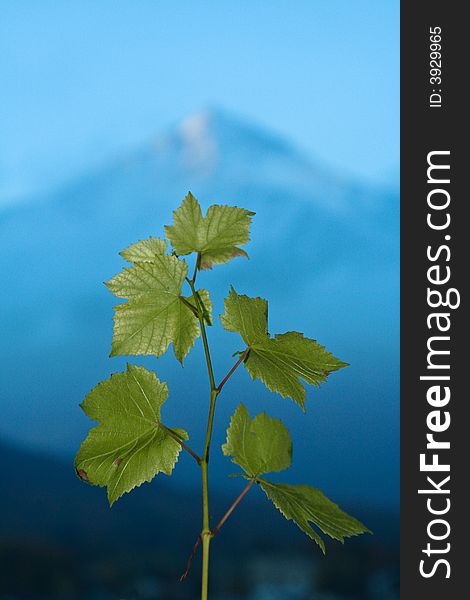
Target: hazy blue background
x: 110, y: 112
x: 83, y: 81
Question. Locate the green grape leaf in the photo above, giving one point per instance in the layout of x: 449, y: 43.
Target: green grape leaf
x: 246, y: 316
x: 155, y: 314
x: 304, y: 504
x: 280, y: 361
x: 215, y: 237
x: 130, y: 445
x: 260, y: 445
x: 144, y: 251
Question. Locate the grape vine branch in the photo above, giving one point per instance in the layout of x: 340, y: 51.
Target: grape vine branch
x: 131, y: 445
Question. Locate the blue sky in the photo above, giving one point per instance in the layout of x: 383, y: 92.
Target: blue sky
x: 85, y: 81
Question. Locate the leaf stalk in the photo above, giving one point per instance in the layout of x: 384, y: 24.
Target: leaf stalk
x: 232, y: 507
x: 242, y: 357
x: 176, y: 437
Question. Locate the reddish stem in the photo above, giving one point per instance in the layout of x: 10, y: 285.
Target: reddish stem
x: 176, y: 437
x: 190, y: 559
x: 236, y: 502
x: 243, y: 355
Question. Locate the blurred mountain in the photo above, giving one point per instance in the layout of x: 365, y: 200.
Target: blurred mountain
x: 59, y: 539
x: 324, y: 251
